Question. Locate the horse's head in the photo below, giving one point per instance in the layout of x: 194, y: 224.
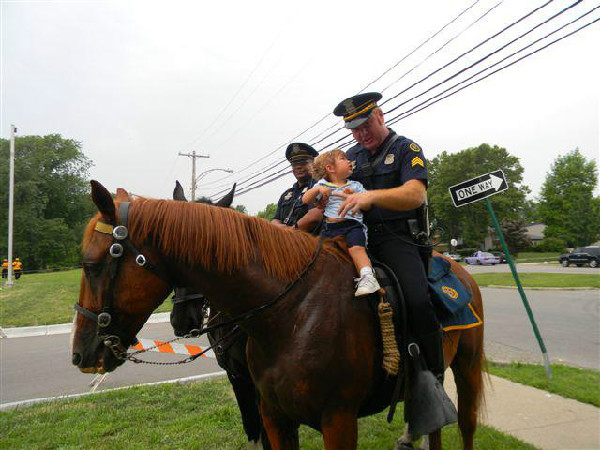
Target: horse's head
x: 122, y: 283
x: 189, y: 305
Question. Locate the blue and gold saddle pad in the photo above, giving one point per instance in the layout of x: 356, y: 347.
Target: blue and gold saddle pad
x: 452, y: 300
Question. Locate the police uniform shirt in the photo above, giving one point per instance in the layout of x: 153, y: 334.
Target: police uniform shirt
x: 290, y: 208
x: 403, y: 161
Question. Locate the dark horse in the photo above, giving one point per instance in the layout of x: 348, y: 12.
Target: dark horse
x: 314, y: 354
x: 229, y: 342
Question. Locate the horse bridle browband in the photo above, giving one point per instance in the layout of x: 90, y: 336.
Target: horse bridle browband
x: 105, y: 319
x: 120, y: 235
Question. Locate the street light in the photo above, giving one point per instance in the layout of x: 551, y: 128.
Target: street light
x: 202, y: 175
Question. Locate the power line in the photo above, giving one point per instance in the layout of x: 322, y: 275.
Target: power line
x: 276, y: 175
x: 412, y: 111
x: 369, y: 84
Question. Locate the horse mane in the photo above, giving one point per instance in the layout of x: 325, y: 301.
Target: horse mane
x: 222, y: 239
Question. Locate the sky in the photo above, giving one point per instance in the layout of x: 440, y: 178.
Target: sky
x: 138, y: 82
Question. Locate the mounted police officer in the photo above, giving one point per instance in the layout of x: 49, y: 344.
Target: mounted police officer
x: 394, y: 171
x: 291, y: 212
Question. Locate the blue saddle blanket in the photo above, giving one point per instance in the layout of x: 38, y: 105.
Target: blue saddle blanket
x: 452, y: 300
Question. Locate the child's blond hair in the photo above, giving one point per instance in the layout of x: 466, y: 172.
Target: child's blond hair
x: 318, y: 168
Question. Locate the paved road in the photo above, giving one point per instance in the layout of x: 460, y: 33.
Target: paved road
x: 35, y: 367
x: 569, y: 322
x: 529, y: 268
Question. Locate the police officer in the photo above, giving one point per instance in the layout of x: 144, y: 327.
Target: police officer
x: 291, y: 212
x: 394, y: 171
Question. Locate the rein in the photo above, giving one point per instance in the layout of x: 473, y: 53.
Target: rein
x: 104, y: 319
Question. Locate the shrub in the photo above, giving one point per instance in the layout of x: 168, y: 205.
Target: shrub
x: 550, y: 244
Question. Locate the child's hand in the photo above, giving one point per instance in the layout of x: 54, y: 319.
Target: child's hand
x: 348, y: 191
x: 323, y: 196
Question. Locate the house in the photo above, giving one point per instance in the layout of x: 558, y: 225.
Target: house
x: 535, y: 232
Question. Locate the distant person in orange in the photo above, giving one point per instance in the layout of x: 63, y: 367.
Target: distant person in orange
x: 17, y: 268
x: 5, y: 268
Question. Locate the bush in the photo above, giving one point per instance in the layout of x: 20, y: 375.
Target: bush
x: 549, y: 244
x: 466, y: 251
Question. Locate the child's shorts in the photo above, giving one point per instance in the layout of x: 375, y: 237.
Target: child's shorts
x: 352, y: 230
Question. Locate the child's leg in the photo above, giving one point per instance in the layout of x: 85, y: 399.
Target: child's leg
x: 360, y: 257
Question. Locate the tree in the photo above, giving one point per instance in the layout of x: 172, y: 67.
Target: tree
x: 471, y: 222
x: 241, y: 209
x: 515, y: 235
x: 567, y: 203
x: 52, y: 203
x: 269, y: 212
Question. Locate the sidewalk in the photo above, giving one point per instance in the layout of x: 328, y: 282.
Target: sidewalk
x: 545, y: 420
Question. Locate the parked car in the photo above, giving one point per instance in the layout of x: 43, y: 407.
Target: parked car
x: 581, y: 256
x: 482, y: 258
x: 500, y: 255
x: 453, y: 256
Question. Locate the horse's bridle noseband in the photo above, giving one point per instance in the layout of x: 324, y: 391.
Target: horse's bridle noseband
x: 120, y: 234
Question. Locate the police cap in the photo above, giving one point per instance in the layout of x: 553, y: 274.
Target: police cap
x: 356, y: 110
x: 300, y: 152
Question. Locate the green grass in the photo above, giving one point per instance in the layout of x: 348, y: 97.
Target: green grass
x: 539, y: 280
x: 538, y: 257
x: 43, y: 299
x: 191, y: 416
x: 571, y: 382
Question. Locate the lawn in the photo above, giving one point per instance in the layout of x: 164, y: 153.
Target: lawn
x: 43, y: 299
x: 190, y: 416
x: 571, y: 382
x: 540, y: 280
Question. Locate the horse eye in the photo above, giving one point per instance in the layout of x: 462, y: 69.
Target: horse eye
x: 92, y: 268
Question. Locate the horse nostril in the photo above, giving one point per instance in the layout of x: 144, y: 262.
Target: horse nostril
x: 76, y: 359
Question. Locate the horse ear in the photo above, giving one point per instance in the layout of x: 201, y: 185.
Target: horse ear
x: 226, y: 201
x: 122, y: 195
x: 103, y: 200
x: 178, y: 193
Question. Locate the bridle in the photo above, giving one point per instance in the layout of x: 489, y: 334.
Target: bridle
x: 105, y: 320
x: 107, y: 330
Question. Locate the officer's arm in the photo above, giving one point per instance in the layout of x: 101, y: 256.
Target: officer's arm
x: 410, y: 195
x: 311, y: 219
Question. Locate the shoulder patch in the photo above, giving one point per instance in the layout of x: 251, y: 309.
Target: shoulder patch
x: 389, y: 159
x: 414, y: 147
x: 416, y: 161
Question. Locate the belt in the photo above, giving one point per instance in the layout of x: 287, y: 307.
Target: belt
x: 397, y: 226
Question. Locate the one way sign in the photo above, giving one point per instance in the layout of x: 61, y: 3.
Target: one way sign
x: 478, y: 188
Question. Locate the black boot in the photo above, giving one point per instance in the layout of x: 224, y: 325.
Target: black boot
x: 433, y: 351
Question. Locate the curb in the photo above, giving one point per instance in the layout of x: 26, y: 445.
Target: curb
x: 63, y: 328
x: 542, y: 288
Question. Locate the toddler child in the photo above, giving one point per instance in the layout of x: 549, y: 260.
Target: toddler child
x: 332, y: 170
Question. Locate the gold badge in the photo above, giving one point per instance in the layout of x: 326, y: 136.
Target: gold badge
x: 416, y: 161
x: 450, y: 292
x: 389, y: 159
x: 415, y: 147
x: 287, y: 196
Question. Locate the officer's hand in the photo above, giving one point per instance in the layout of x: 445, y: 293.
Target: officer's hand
x: 354, y: 202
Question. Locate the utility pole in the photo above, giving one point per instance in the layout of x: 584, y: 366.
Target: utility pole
x: 11, y: 203
x: 193, y: 156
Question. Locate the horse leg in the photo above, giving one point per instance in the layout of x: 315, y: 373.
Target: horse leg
x: 282, y: 432
x: 433, y: 441
x: 245, y: 394
x: 467, y: 368
x: 340, y: 430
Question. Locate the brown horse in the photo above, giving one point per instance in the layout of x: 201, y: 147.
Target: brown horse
x: 315, y: 354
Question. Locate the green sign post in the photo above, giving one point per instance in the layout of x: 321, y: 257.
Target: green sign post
x: 482, y: 187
